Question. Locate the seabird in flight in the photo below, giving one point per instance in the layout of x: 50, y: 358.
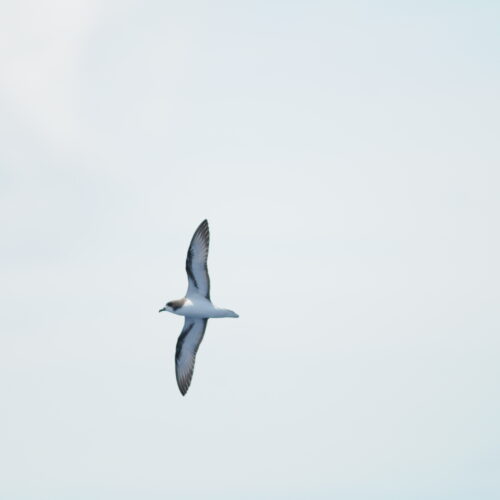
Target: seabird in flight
x: 196, y: 307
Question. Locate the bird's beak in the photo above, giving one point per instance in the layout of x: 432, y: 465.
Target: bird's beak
x: 162, y: 309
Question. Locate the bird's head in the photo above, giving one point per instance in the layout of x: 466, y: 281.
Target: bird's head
x: 173, y: 305
x: 167, y: 308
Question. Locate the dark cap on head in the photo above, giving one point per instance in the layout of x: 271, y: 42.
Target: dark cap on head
x: 176, y: 304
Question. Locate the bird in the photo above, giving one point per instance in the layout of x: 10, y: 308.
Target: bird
x: 196, y: 307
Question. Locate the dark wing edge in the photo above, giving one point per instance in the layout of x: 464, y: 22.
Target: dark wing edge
x: 185, y: 353
x: 196, y: 261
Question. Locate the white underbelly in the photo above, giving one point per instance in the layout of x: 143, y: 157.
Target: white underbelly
x: 198, y: 309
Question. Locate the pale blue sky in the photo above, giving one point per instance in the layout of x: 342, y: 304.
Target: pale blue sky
x: 346, y: 156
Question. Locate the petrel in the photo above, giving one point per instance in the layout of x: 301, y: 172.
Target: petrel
x: 196, y: 307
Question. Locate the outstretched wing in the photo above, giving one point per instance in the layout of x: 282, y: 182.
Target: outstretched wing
x: 196, y: 262
x: 185, y: 354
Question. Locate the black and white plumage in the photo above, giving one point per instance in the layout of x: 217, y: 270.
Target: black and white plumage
x: 196, y: 262
x: 196, y: 307
x: 185, y: 353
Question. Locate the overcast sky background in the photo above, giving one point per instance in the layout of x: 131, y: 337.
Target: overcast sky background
x: 346, y: 156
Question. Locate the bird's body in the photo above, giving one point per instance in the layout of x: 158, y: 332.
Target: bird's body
x: 196, y: 307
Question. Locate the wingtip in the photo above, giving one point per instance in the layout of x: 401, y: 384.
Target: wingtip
x: 203, y: 227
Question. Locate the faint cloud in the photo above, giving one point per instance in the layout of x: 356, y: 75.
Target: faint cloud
x: 40, y: 43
